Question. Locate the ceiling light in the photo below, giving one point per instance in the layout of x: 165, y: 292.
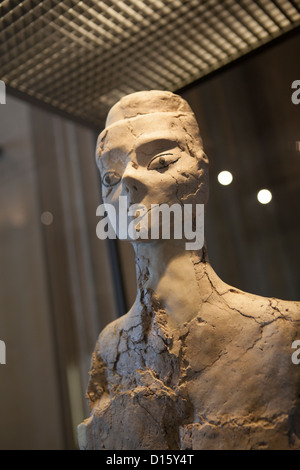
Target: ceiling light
x: 264, y: 196
x: 225, y: 178
x: 47, y: 218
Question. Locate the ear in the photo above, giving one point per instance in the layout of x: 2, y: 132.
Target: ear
x: 205, y: 158
x: 203, y: 161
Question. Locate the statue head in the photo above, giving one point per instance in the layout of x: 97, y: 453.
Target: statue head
x: 151, y: 151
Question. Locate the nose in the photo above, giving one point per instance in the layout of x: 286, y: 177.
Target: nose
x: 130, y: 181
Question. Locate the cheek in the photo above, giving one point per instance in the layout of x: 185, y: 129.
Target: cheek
x: 195, y: 188
x: 190, y: 180
x: 160, y: 188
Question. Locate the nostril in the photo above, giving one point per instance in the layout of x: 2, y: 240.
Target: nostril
x: 134, y: 187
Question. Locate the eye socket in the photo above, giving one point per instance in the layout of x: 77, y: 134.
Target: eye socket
x: 162, y: 161
x: 111, y: 178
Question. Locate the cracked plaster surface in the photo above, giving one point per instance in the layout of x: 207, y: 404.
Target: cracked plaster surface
x: 196, y: 363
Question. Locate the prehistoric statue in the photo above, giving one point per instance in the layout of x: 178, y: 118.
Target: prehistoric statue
x: 195, y: 363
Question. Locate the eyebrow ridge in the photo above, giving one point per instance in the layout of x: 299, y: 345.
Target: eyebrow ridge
x: 159, y: 140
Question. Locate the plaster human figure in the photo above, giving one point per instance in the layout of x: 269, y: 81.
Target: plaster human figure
x: 195, y: 363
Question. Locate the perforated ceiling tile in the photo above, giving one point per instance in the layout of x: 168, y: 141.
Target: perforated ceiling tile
x: 83, y: 56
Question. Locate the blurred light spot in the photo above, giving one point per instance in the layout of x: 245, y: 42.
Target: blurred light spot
x: 264, y: 196
x: 47, y: 218
x: 225, y: 178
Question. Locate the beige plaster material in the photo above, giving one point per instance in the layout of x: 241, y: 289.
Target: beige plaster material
x: 195, y: 363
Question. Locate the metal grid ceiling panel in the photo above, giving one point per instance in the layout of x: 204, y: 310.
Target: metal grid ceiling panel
x: 82, y: 56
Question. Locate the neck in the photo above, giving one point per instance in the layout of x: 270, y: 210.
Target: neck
x: 178, y: 278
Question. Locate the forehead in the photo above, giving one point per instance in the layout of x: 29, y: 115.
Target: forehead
x: 130, y: 133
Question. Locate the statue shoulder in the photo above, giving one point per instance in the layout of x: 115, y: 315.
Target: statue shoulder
x: 104, y: 356
x: 108, y: 341
x: 264, y: 310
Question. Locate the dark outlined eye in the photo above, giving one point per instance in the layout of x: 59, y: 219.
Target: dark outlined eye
x: 162, y: 161
x: 111, y: 178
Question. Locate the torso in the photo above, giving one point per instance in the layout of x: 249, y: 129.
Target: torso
x: 223, y: 380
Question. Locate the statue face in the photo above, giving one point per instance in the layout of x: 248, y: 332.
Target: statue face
x: 147, y: 159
